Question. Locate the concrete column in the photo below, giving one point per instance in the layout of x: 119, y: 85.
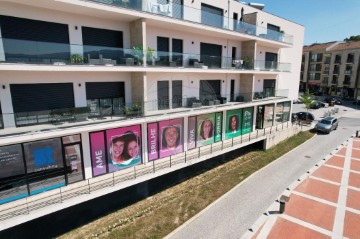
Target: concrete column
x: 144, y: 143
x: 6, y: 106
x: 76, y: 41
x: 2, y: 51
x: 86, y: 154
x: 80, y: 94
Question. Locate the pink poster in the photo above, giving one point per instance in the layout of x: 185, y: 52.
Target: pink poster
x: 192, y: 132
x: 98, y: 153
x: 153, y: 150
x: 171, y: 137
x: 124, y: 147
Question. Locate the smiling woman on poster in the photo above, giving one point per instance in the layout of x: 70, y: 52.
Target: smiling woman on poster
x: 171, y: 139
x: 117, y: 149
x: 206, y: 129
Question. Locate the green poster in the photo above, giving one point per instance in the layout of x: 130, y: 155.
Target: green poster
x: 218, y: 126
x: 247, y: 122
x: 233, y: 123
x: 205, y: 129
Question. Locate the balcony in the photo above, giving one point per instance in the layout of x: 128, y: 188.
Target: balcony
x: 324, y: 82
x: 195, y: 15
x: 326, y: 72
x: 34, y: 52
x: 334, y: 82
x: 348, y: 72
x: 74, y: 117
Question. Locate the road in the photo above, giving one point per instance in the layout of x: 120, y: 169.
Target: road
x: 237, y: 211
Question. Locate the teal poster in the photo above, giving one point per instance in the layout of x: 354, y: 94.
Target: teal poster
x: 218, y: 126
x: 247, y: 120
x: 233, y: 123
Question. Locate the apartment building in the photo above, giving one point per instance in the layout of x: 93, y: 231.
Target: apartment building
x: 99, y: 95
x: 331, y: 68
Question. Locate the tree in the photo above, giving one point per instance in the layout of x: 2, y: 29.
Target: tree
x: 353, y: 38
x: 308, y: 99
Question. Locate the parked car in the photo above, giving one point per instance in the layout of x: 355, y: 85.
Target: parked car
x: 317, y: 104
x: 298, y: 101
x: 294, y: 117
x: 305, y: 116
x: 356, y: 102
x: 318, y: 93
x: 338, y: 102
x: 329, y: 99
x: 327, y: 125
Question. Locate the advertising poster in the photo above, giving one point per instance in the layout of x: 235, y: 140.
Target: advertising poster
x: 124, y: 147
x: 247, y: 120
x: 205, y: 129
x: 171, y: 137
x: 153, y: 145
x: 11, y: 161
x: 218, y: 126
x: 191, y: 132
x: 233, y: 123
x: 43, y: 155
x: 98, y: 153
x: 268, y: 115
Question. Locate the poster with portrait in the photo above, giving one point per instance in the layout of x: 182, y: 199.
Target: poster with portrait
x: 205, y: 129
x: 218, y: 126
x: 171, y: 137
x: 279, y: 110
x: 191, y: 140
x: 233, y: 123
x: 123, y: 147
x: 98, y: 153
x: 247, y: 120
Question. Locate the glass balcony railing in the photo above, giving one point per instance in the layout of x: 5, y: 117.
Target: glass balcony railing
x: 34, y: 52
x: 73, y: 117
x: 183, y: 12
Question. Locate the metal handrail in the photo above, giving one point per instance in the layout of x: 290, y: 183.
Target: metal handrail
x: 91, y: 185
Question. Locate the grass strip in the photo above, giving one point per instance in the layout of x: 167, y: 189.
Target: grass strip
x: 160, y: 214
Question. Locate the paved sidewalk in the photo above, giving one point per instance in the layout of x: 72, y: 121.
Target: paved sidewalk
x: 323, y: 203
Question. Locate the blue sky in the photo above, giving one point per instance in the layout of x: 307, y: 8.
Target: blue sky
x: 324, y: 20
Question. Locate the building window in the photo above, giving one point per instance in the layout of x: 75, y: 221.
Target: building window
x: 334, y: 80
x: 347, y: 80
x: 350, y: 58
x: 338, y: 59
x: 336, y: 69
x: 348, y: 69
x: 211, y: 15
x: 316, y: 57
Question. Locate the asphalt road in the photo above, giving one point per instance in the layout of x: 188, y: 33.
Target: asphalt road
x: 236, y: 212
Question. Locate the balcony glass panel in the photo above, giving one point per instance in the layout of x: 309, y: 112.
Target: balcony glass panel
x: 176, y: 10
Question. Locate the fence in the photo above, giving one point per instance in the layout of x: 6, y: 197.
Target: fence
x: 27, y: 205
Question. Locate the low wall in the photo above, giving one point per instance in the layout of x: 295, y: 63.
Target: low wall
x: 281, y: 135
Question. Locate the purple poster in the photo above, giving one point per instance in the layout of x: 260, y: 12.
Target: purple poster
x: 153, y: 150
x: 124, y: 147
x: 191, y: 132
x: 98, y: 153
x: 171, y: 137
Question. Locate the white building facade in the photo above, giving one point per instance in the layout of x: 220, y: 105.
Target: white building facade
x: 92, y: 90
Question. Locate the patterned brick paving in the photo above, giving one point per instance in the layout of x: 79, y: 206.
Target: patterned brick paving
x: 311, y: 211
x: 286, y: 229
x: 336, y: 161
x: 319, y: 189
